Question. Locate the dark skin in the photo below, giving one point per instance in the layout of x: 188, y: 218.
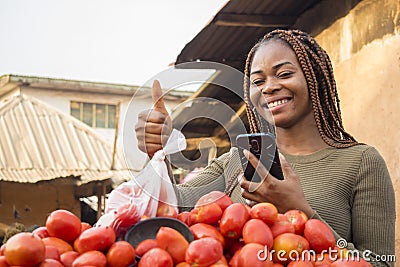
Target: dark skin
x: 277, y: 80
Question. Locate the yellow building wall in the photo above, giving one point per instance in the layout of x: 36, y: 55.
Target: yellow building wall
x: 34, y: 202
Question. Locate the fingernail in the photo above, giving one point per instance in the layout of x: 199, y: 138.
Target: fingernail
x: 246, y: 153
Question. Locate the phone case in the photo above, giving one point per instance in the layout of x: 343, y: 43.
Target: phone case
x: 263, y: 146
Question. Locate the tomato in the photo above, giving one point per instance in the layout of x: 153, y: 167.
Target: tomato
x: 173, y: 242
x: 267, y: 212
x: 209, y: 213
x: 51, y: 263
x: 95, y: 238
x: 221, y: 263
x: 201, y: 230
x: 64, y: 225
x: 67, y: 258
x: 351, y: 262
x: 3, y: 262
x: 203, y: 252
x: 288, y: 247
x: 257, y: 231
x: 2, y: 249
x: 233, y: 220
x: 85, y: 226
x: 192, y: 217
x: 322, y: 260
x: 183, y: 216
x: 24, y: 249
x: 222, y: 199
x: 233, y: 262
x: 60, y: 244
x: 166, y: 210
x: 120, y: 254
x: 90, y: 258
x: 319, y: 235
x: 300, y: 263
x: 281, y: 225
x: 183, y: 264
x: 298, y: 219
x: 51, y: 252
x: 41, y: 232
x: 277, y: 265
x: 145, y: 246
x: 156, y: 257
x: 254, y: 255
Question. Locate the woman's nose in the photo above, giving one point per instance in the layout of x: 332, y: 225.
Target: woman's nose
x: 270, y: 86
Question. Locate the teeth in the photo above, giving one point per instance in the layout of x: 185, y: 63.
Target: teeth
x: 276, y: 103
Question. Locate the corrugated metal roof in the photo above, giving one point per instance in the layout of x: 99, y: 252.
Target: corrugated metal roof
x: 39, y: 142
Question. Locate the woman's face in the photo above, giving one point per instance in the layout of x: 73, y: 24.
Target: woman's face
x: 278, y: 84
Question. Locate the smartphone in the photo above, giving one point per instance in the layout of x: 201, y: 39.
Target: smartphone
x: 263, y: 146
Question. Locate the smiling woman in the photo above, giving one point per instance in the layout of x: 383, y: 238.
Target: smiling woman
x: 327, y: 174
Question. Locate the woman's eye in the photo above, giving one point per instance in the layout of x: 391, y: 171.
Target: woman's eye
x: 284, y: 74
x: 257, y: 82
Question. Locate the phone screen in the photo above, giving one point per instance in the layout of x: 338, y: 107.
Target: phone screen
x: 263, y: 146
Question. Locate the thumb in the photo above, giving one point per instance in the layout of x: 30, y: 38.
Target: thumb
x: 158, y: 98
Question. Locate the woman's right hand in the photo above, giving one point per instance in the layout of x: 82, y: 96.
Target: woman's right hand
x: 154, y: 125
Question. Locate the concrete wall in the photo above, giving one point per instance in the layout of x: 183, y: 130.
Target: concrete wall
x: 34, y: 202
x: 364, y: 47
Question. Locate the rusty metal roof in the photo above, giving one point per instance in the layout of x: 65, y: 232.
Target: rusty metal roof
x: 39, y: 143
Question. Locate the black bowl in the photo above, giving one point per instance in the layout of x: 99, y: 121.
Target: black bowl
x: 148, y: 228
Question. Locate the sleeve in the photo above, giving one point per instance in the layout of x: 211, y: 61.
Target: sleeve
x: 373, y: 211
x: 212, y: 178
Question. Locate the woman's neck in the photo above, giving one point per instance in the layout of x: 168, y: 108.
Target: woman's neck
x: 300, y: 140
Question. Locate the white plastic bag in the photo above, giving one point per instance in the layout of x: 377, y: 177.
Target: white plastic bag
x: 140, y: 196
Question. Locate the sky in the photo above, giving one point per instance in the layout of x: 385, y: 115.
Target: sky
x: 118, y: 41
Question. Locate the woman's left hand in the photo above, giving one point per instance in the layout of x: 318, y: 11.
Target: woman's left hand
x: 285, y: 194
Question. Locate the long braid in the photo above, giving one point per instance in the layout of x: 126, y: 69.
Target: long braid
x: 318, y: 72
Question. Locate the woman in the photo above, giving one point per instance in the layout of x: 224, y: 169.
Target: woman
x: 328, y: 174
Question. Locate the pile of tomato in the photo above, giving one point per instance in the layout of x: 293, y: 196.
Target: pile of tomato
x: 225, y: 234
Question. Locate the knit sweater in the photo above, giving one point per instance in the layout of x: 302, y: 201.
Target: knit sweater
x: 349, y: 188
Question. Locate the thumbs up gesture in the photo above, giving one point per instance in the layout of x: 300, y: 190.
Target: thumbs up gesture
x: 154, y: 125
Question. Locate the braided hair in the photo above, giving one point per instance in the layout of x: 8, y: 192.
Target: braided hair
x: 318, y: 72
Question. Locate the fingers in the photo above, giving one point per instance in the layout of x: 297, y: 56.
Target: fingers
x: 287, y: 169
x: 158, y: 98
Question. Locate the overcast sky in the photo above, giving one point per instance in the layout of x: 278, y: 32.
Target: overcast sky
x: 118, y: 41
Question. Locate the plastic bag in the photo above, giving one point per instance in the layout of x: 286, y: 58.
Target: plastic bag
x: 140, y: 196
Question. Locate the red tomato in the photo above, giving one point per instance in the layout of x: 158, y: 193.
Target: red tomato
x: 2, y: 249
x: 67, y: 258
x: 85, y: 226
x: 24, y: 249
x: 254, y: 255
x: 203, y: 252
x: 173, y: 242
x: 41, y: 232
x: 145, y: 246
x: 52, y: 253
x: 288, y: 247
x: 201, y: 230
x: 90, y: 258
x: 233, y: 262
x: 60, y: 244
x: 64, y: 225
x: 281, y: 225
x: 300, y: 263
x: 95, y: 238
x: 233, y: 220
x: 183, y: 264
x: 183, y: 216
x: 120, y: 254
x: 352, y: 262
x: 256, y: 231
x: 3, y: 262
x: 156, y: 257
x: 298, y: 219
x: 192, y: 217
x: 222, y: 199
x: 166, y: 210
x: 51, y: 263
x: 209, y: 213
x: 322, y: 260
x: 277, y: 265
x: 267, y: 212
x: 319, y: 235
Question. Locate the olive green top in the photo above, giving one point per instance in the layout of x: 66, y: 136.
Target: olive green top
x: 348, y: 188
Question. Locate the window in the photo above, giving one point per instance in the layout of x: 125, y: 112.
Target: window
x: 94, y: 115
